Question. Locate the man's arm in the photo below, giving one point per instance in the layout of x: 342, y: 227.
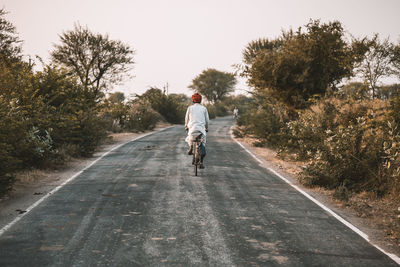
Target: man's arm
x: 207, y: 118
x: 187, y: 118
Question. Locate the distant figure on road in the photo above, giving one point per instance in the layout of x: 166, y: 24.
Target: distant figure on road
x: 196, y: 122
x: 235, y: 113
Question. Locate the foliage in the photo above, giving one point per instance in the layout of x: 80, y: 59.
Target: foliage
x: 42, y: 113
x: 391, y: 156
x: 264, y: 120
x: 93, y: 58
x: 257, y: 47
x: 395, y: 59
x: 227, y: 105
x: 376, y: 63
x: 349, y: 157
x: 12, y: 123
x: 172, y: 107
x: 50, y: 115
x: 348, y: 134
x: 141, y: 116
x: 143, y: 112
x: 9, y: 161
x: 116, y: 97
x: 10, y: 44
x: 299, y: 65
x: 343, y: 141
x: 114, y: 112
x: 71, y: 112
x: 354, y: 90
x: 214, y: 84
x: 212, y: 111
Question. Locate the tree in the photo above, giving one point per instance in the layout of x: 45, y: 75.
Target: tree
x: 395, y: 59
x: 116, y: 109
x: 172, y: 107
x: 255, y: 48
x: 12, y: 69
x: 299, y: 65
x: 116, y: 97
x: 10, y: 44
x: 376, y: 63
x: 214, y: 84
x: 93, y: 58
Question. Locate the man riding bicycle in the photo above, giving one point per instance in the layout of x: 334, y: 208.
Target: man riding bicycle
x: 196, y: 123
x: 235, y: 113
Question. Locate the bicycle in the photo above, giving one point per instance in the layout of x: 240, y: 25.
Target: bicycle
x: 197, y: 152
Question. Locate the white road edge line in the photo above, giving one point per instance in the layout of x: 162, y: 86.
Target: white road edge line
x: 34, y: 205
x: 352, y: 227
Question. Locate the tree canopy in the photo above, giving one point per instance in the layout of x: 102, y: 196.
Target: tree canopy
x: 377, y: 62
x: 214, y: 84
x: 395, y: 59
x: 299, y: 65
x: 10, y: 44
x: 116, y: 97
x: 93, y: 58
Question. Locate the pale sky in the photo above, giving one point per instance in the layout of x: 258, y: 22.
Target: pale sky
x: 175, y: 40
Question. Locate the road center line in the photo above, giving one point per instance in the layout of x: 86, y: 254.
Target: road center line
x: 37, y: 203
x: 339, y: 218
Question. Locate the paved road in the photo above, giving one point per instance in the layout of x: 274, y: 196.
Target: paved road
x: 141, y: 206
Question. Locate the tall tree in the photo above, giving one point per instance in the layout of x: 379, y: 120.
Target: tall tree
x: 301, y: 64
x: 256, y: 47
x: 93, y: 58
x: 376, y: 63
x: 214, y: 84
x: 253, y: 50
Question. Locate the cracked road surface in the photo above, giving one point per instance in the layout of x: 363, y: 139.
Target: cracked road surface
x: 141, y: 205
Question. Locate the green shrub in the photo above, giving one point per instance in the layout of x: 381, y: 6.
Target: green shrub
x: 265, y: 122
x: 212, y: 113
x: 391, y: 156
x: 172, y: 107
x: 37, y: 148
x: 221, y: 109
x: 350, y: 157
x: 90, y: 133
x: 348, y: 145
x: 307, y: 133
x: 142, y: 117
x: 11, y: 131
x: 391, y: 146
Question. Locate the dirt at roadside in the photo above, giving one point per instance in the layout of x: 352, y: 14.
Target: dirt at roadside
x: 379, y: 218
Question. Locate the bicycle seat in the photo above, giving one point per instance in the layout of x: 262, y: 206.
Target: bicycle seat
x: 198, y: 138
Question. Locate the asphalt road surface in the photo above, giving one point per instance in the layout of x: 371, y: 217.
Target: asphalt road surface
x: 141, y: 205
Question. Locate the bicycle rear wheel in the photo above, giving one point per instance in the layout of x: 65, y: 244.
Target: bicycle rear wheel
x: 195, y: 159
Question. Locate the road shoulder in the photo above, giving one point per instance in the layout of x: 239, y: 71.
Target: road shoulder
x: 291, y: 169
x: 32, y: 185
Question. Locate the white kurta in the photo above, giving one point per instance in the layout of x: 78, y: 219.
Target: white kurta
x: 196, y: 120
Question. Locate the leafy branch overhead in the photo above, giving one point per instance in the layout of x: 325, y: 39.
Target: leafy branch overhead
x: 95, y: 59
